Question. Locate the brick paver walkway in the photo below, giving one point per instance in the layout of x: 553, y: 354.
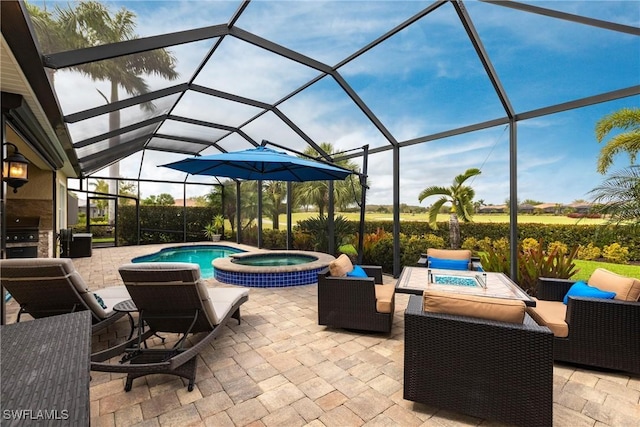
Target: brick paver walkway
x: 280, y: 368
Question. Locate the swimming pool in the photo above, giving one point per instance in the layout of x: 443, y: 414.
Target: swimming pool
x: 203, y: 255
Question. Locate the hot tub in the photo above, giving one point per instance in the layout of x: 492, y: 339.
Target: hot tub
x: 271, y: 269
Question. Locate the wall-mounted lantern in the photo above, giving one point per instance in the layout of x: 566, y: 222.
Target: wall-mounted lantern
x: 14, y: 169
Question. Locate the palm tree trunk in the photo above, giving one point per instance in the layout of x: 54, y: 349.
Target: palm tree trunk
x: 454, y: 231
x: 114, y: 169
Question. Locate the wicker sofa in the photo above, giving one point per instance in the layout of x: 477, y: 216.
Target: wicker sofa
x: 597, y: 332
x: 356, y: 302
x: 485, y: 368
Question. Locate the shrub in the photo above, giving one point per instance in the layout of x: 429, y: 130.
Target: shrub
x: 433, y: 241
x: 350, y: 251
x: 381, y: 253
x: 536, y: 263
x: 616, y: 253
x: 302, y: 241
x: 532, y: 264
x: 470, y: 243
x: 485, y: 244
x: 317, y: 227
x: 500, y: 244
x: 274, y: 239
x: 369, y: 241
x: 589, y: 252
x: 559, y: 246
x: 530, y: 244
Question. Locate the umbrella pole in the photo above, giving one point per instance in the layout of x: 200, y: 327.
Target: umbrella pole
x: 239, y: 225
x: 363, y: 183
x: 289, y: 204
x: 330, y: 222
x: 259, y: 184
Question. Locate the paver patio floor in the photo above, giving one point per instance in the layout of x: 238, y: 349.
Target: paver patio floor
x: 280, y: 368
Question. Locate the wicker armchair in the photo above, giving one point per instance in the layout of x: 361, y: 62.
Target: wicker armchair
x: 484, y: 368
x: 350, y: 302
x: 602, y: 333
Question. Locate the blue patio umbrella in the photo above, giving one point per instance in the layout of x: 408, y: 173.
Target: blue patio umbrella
x: 260, y: 163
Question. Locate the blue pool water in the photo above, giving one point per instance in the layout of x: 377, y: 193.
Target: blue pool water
x: 275, y: 260
x: 200, y: 254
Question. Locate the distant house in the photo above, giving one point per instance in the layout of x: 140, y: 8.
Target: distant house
x: 581, y: 207
x: 525, y: 208
x: 492, y: 209
x: 550, y: 208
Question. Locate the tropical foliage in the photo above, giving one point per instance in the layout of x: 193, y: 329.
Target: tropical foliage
x: 317, y: 227
x: 533, y: 262
x: 460, y: 197
x: 618, y: 197
x: 316, y: 193
x: 91, y: 23
x: 274, y: 194
x: 626, y: 119
x: 164, y: 199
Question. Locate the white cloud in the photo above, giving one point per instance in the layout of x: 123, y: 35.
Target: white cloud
x: 420, y: 82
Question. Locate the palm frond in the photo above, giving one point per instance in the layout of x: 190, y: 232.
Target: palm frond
x: 434, y: 210
x: 434, y: 191
x: 619, y: 196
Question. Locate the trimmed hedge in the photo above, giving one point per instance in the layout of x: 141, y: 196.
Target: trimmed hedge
x: 162, y: 224
x: 599, y: 235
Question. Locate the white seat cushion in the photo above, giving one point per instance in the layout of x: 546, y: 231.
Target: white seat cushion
x: 111, y: 296
x: 222, y: 299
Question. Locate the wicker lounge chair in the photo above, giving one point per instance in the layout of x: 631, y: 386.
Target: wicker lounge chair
x: 171, y: 298
x: 360, y: 303
x: 596, y: 332
x: 485, y: 368
x: 51, y: 286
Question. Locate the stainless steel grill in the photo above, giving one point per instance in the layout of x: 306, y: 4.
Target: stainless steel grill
x: 23, y: 234
x: 23, y: 229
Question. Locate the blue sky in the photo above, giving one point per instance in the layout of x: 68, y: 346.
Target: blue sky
x: 425, y: 80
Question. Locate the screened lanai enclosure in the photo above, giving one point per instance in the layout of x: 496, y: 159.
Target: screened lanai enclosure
x: 416, y: 92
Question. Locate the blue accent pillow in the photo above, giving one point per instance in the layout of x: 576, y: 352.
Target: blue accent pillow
x: 100, y: 301
x: 581, y: 289
x: 448, y: 264
x: 357, y: 272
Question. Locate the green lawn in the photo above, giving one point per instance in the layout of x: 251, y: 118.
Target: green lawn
x: 496, y: 218
x: 587, y: 267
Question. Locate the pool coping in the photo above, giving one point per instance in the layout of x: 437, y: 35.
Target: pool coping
x: 227, y: 264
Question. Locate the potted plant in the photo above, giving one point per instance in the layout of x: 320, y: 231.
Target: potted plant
x: 213, y: 229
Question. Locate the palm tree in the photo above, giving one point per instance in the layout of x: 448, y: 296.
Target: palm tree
x: 627, y: 119
x: 101, y: 186
x: 90, y: 24
x: 274, y: 196
x: 618, y: 196
x: 316, y: 193
x: 461, y: 198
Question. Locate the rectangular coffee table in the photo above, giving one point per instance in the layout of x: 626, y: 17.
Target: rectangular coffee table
x: 415, y: 280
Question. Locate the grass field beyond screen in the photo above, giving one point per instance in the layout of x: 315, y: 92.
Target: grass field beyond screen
x: 495, y: 218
